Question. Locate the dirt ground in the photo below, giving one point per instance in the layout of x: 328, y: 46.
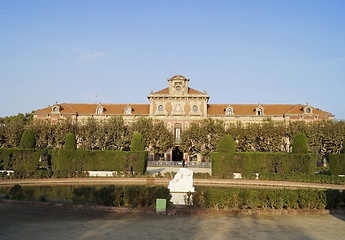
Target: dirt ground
x: 37, y: 222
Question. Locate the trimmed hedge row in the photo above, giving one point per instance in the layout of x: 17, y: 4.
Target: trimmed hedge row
x: 27, y: 160
x: 232, y: 198
x: 246, y: 163
x: 337, y: 164
x: 301, y: 177
x: 120, y: 196
x: 87, y: 160
x: 19, y: 159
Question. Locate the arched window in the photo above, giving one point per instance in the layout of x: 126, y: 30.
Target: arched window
x: 229, y: 111
x: 308, y: 110
x: 259, y: 111
x: 99, y: 110
x: 128, y: 110
x: 55, y: 109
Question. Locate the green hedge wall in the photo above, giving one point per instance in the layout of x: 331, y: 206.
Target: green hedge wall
x: 19, y: 159
x: 86, y: 160
x: 225, y: 164
x: 232, y: 198
x: 337, y: 164
x: 74, y: 160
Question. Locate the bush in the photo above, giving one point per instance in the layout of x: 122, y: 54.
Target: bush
x: 232, y: 198
x: 127, y: 196
x: 16, y: 192
x: 227, y: 144
x: 137, y: 142
x: 247, y: 163
x: 300, y: 144
x: 337, y: 164
x: 28, y: 139
x: 71, y: 142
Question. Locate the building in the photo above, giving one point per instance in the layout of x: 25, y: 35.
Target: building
x: 179, y: 105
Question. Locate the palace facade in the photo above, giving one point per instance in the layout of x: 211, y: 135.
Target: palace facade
x: 178, y: 105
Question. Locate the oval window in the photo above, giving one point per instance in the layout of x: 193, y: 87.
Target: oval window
x: 161, y: 108
x: 195, y: 108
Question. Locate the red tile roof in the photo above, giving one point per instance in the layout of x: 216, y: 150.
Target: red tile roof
x: 269, y: 109
x: 190, y: 91
x: 81, y: 108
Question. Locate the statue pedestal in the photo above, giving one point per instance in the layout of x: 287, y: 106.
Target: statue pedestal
x: 180, y: 186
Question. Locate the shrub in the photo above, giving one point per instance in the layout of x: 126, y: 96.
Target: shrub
x: 227, y: 144
x: 137, y: 142
x: 16, y: 192
x: 28, y: 139
x: 337, y: 164
x: 300, y: 144
x: 71, y: 142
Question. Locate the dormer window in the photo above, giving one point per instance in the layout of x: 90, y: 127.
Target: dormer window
x: 229, y: 111
x: 259, y: 111
x: 307, y: 109
x: 128, y: 110
x: 99, y: 110
x: 56, y: 108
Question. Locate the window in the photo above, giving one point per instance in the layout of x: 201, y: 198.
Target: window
x: 178, y: 88
x: 259, y: 111
x: 177, y: 128
x: 128, y: 110
x: 308, y: 110
x: 160, y: 108
x: 228, y: 111
x: 195, y: 108
x: 178, y: 133
x: 55, y: 109
x: 99, y: 110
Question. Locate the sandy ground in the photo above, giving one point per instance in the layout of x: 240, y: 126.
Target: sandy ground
x: 165, y: 181
x: 36, y: 222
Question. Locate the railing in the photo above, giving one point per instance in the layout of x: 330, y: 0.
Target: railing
x: 178, y: 164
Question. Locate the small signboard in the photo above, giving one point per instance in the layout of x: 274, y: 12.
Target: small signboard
x: 161, y: 206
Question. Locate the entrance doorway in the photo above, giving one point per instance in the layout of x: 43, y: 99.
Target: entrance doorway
x: 177, y: 154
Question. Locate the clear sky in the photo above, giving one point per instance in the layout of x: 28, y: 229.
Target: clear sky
x: 272, y: 52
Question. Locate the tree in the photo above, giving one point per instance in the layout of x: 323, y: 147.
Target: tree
x: 300, y: 144
x: 227, y: 144
x: 343, y: 148
x: 28, y: 139
x: 137, y: 143
x: 71, y: 142
x: 163, y: 139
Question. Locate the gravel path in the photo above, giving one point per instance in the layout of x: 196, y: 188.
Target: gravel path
x: 37, y: 222
x: 165, y: 182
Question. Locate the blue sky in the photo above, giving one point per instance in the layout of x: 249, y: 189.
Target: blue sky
x: 272, y: 52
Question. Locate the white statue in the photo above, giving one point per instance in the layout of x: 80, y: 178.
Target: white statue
x: 181, y: 185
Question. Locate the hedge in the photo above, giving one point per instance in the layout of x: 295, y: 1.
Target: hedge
x: 19, y: 159
x: 225, y: 164
x: 232, y: 198
x: 118, y: 196
x: 64, y: 162
x: 87, y: 160
x: 337, y: 164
